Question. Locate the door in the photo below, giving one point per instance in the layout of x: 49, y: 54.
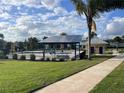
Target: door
x: 92, y: 50
x: 100, y: 50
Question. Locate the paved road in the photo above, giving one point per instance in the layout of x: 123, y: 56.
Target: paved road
x: 86, y: 80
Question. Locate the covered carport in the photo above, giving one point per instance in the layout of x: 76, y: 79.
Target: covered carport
x: 72, y: 40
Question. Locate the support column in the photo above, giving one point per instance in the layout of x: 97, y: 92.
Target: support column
x: 75, y: 50
x: 79, y: 50
x: 44, y: 51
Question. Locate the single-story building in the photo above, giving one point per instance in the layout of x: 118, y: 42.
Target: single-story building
x: 97, y: 45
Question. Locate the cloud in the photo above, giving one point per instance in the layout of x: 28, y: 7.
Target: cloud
x: 34, y: 25
x: 60, y: 11
x: 116, y: 26
x: 100, y: 25
x: 32, y: 3
x: 47, y: 19
x: 5, y: 15
x: 50, y: 4
x: 4, y: 25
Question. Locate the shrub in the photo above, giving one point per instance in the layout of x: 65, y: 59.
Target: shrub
x: 53, y: 59
x: 6, y: 57
x: 47, y: 59
x: 2, y: 55
x: 121, y: 51
x: 23, y: 57
x: 73, y: 59
x: 15, y: 56
x: 109, y: 52
x: 61, y: 59
x: 32, y: 57
x: 42, y: 59
x: 82, y: 55
x: 63, y: 56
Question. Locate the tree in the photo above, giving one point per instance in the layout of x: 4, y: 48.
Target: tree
x: 92, y: 8
x: 118, y: 40
x: 45, y: 37
x: 20, y: 46
x: 32, y: 43
x: 25, y: 45
x: 63, y: 34
x: 122, y: 38
x: 8, y: 47
x: 1, y: 36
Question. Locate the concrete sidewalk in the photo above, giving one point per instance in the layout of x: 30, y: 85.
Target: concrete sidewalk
x: 86, y: 80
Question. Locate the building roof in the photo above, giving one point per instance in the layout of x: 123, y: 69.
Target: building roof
x: 63, y: 39
x: 95, y: 40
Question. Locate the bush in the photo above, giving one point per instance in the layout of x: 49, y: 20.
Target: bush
x: 109, y: 52
x: 6, y: 57
x: 23, y: 57
x: 2, y: 55
x: 122, y: 51
x: 32, y: 57
x: 53, y: 59
x: 42, y: 59
x: 61, y: 59
x: 82, y: 55
x: 15, y: 56
x: 47, y: 59
x: 73, y: 59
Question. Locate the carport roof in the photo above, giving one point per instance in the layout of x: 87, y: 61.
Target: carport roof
x: 63, y: 39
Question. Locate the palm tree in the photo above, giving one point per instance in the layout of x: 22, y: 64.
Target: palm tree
x: 117, y: 40
x: 92, y: 8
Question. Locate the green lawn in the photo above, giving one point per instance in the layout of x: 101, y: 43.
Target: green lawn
x: 113, y: 83
x: 23, y: 77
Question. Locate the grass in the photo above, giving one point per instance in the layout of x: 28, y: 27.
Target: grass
x: 113, y: 83
x: 23, y: 77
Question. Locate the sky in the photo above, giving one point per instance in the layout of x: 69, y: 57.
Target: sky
x: 21, y: 19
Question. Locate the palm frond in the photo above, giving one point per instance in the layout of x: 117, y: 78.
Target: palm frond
x: 98, y: 6
x: 81, y: 7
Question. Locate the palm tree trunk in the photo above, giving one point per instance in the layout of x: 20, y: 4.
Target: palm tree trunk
x: 89, y: 44
x: 89, y: 23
